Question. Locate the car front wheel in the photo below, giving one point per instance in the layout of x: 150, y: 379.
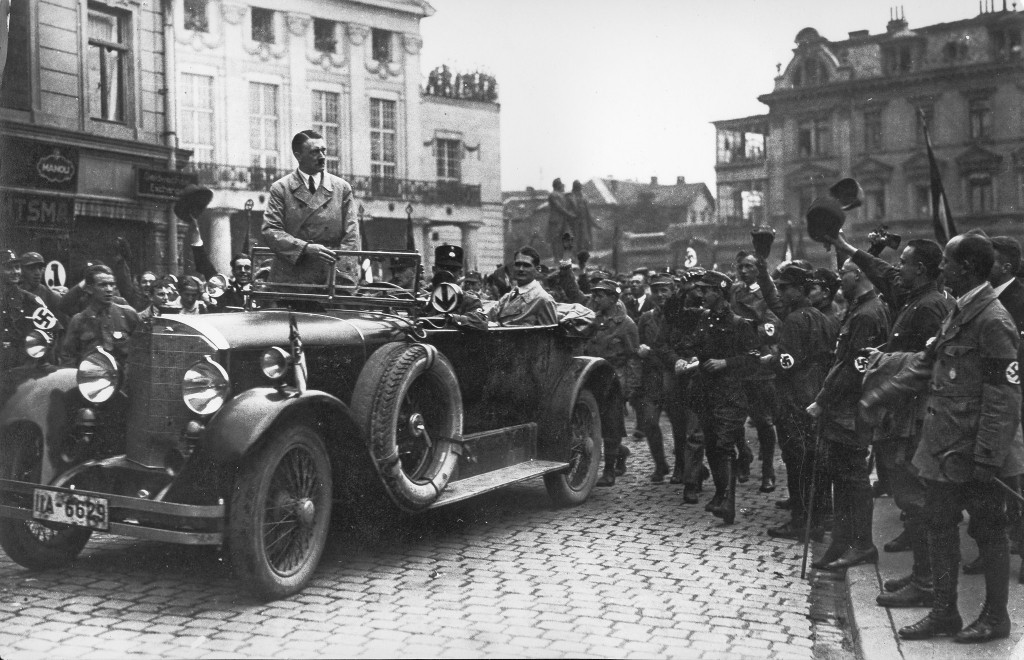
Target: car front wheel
x: 33, y: 544
x: 573, y: 485
x: 280, y: 513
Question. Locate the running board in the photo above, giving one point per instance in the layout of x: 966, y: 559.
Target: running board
x: 464, y: 489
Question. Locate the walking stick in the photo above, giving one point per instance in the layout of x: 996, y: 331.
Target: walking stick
x: 809, y: 508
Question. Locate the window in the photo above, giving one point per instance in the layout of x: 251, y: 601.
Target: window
x: 1007, y: 45
x: 899, y: 59
x: 979, y: 193
x: 263, y: 132
x: 323, y: 35
x: 874, y: 203
x: 326, y: 122
x: 752, y: 203
x: 449, y: 160
x: 381, y: 45
x: 263, y: 25
x: 980, y: 113
x: 196, y: 128
x: 383, y: 143
x: 195, y: 16
x: 814, y: 138
x: 873, y: 130
x: 810, y: 72
x: 108, y: 59
x: 16, y: 90
x: 737, y: 145
x: 922, y: 200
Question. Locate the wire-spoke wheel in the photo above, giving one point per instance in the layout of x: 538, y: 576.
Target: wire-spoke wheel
x: 33, y: 544
x: 280, y: 512
x: 573, y: 485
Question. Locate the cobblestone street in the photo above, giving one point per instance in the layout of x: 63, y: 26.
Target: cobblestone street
x: 631, y: 573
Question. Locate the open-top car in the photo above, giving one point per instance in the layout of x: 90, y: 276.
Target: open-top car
x: 245, y: 430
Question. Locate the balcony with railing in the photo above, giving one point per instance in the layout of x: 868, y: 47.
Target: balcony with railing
x: 249, y: 177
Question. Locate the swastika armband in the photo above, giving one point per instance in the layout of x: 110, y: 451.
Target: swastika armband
x: 1000, y: 372
x: 786, y: 361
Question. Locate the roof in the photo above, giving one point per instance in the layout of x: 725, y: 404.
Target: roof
x: 623, y: 192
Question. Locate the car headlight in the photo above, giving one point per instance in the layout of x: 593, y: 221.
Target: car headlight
x: 274, y: 362
x: 98, y: 376
x: 37, y: 343
x: 205, y: 387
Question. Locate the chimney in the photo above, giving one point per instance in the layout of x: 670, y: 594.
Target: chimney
x: 857, y: 34
x: 680, y: 180
x: 654, y: 180
x: 530, y: 191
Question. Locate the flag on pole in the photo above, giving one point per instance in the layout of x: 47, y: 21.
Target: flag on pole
x: 942, y: 219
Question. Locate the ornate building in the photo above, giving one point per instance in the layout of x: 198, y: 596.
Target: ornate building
x: 229, y: 82
x: 853, y: 107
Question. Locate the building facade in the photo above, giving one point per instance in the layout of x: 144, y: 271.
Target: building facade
x: 857, y: 106
x: 252, y: 74
x: 84, y: 132
x: 136, y: 99
x: 631, y: 220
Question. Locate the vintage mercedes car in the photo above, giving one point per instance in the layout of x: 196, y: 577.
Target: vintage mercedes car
x: 245, y: 430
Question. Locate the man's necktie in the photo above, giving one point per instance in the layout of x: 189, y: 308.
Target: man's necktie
x: 312, y: 186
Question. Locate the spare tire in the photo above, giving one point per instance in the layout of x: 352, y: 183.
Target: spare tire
x: 409, y: 406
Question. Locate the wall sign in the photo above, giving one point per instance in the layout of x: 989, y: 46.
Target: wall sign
x: 161, y: 184
x: 42, y: 165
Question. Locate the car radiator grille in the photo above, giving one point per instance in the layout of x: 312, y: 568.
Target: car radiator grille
x: 158, y: 358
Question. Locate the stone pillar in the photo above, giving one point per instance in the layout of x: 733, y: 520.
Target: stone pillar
x: 468, y: 247
x: 218, y: 243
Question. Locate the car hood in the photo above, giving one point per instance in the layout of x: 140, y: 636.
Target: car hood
x: 250, y: 330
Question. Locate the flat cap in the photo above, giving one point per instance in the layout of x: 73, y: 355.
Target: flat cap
x: 32, y: 258
x: 611, y: 286
x: 714, y: 279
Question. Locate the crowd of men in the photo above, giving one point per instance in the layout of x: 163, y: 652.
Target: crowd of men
x: 915, y: 363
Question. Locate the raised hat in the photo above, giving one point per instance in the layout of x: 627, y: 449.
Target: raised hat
x: 610, y: 286
x: 448, y: 255
x: 192, y: 201
x: 31, y: 258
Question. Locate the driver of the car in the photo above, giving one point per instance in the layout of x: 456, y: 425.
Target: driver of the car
x: 448, y: 260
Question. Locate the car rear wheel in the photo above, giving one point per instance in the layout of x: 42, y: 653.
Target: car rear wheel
x: 280, y: 512
x: 572, y: 486
x: 36, y: 545
x: 409, y: 404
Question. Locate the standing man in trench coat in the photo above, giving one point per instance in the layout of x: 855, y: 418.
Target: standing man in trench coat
x: 308, y: 216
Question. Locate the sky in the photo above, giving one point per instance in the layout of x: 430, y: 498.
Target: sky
x: 594, y: 88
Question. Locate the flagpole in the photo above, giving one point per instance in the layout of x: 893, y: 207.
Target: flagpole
x: 942, y: 218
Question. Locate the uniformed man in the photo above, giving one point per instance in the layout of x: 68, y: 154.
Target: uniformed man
x: 22, y: 312
x: 865, y: 325
x: 470, y: 312
x: 973, y: 414
x: 658, y: 389
x: 724, y: 350
x: 615, y: 339
x: 823, y: 294
x: 910, y: 289
x: 751, y: 301
x: 159, y: 300
x: 681, y: 312
x: 103, y: 323
x: 801, y: 362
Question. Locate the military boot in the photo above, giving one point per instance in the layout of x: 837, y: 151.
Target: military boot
x: 944, y: 618
x: 677, y: 472
x: 721, y: 481
x: 726, y: 509
x: 657, y: 447
x: 768, y: 438
x: 994, y: 620
x: 620, y: 461
x: 611, y: 457
x: 742, y: 465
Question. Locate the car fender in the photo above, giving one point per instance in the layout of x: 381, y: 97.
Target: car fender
x: 247, y: 417
x: 44, y: 403
x: 593, y: 373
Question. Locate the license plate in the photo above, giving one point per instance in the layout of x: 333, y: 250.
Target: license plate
x: 71, y: 509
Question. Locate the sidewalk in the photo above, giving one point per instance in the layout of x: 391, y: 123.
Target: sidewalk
x: 875, y: 627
